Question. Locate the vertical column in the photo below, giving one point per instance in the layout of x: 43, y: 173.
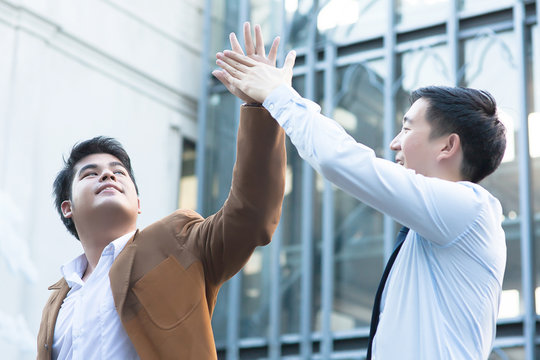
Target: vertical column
x: 274, y: 343
x: 389, y: 112
x: 452, y: 30
x: 274, y: 331
x: 525, y: 206
x: 327, y: 286
x: 202, y: 107
x: 306, y: 226
x: 235, y: 283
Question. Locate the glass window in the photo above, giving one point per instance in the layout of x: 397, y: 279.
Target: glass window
x: 219, y: 318
x: 348, y: 20
x: 291, y: 251
x: 490, y: 64
x: 268, y: 14
x: 417, y: 68
x: 255, y: 295
x: 513, y: 353
x: 221, y: 126
x: 476, y: 6
x: 421, y: 12
x: 357, y: 228
x: 224, y: 21
x: 220, y: 150
x: 188, y: 180
x: 298, y: 13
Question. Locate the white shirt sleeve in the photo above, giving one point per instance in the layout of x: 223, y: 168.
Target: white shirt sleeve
x: 436, y: 209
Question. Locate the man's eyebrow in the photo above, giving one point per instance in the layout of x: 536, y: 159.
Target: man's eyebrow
x: 116, y: 163
x: 86, y: 167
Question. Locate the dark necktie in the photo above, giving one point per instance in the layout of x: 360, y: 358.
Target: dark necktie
x: 377, y: 305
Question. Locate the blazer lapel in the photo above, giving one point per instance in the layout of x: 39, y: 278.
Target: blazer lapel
x: 120, y: 273
x: 52, y: 309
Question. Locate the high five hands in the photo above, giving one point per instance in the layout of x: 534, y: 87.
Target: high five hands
x: 253, y: 76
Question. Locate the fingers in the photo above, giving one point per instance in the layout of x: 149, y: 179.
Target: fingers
x: 248, y: 41
x: 259, y: 42
x: 272, y: 55
x: 289, y: 61
x: 235, y: 45
x: 226, y: 79
x: 241, y: 59
x: 231, y: 66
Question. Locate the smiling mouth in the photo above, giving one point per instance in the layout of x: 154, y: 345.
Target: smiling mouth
x: 108, y: 188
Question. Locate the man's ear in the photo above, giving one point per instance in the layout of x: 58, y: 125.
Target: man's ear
x: 451, y: 147
x: 66, y: 209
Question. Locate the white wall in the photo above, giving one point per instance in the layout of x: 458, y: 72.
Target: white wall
x: 70, y: 70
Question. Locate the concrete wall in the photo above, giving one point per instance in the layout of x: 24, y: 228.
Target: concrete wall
x: 70, y: 70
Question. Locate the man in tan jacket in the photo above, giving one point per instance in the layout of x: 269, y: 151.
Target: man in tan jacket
x: 150, y: 293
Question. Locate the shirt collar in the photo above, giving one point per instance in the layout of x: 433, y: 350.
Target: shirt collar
x: 74, y: 270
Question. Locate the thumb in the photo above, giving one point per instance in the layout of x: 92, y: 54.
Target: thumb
x: 289, y: 60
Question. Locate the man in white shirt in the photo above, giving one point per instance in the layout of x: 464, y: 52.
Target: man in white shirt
x: 441, y: 298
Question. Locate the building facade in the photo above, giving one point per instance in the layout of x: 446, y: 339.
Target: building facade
x: 71, y: 70
x: 309, y: 293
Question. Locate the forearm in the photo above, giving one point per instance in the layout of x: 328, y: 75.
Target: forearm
x: 258, y: 183
x: 252, y: 210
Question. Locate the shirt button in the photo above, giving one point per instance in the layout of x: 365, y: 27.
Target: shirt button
x: 46, y: 346
x: 271, y: 107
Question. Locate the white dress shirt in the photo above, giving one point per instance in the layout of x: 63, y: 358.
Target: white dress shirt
x: 88, y: 326
x: 441, y: 298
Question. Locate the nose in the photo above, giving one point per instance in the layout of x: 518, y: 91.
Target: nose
x: 395, y: 144
x: 107, y: 174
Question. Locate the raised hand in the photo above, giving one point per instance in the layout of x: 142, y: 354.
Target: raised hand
x: 253, y: 78
x: 255, y: 52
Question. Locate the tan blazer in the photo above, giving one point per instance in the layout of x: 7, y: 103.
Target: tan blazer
x: 166, y: 280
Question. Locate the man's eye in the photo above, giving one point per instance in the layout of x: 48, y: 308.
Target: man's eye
x: 121, y: 172
x: 89, y: 174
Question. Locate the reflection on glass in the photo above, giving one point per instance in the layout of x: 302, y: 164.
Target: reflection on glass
x: 220, y: 153
x: 224, y: 21
x: 358, y: 228
x: 219, y: 318
x: 421, y: 12
x: 348, y: 20
x: 298, y: 14
x: 482, y: 5
x: 490, y: 65
x: 254, y: 302
x: 268, y: 14
x: 220, y: 150
x: 291, y: 251
x: 418, y: 68
x: 507, y: 353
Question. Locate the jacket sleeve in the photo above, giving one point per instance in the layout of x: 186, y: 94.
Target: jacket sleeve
x: 225, y: 241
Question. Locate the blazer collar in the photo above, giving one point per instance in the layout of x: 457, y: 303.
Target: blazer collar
x: 121, y: 271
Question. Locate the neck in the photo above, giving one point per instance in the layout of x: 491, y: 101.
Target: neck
x: 95, y: 241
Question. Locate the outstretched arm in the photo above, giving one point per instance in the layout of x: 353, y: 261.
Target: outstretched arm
x: 411, y: 199
x: 225, y: 241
